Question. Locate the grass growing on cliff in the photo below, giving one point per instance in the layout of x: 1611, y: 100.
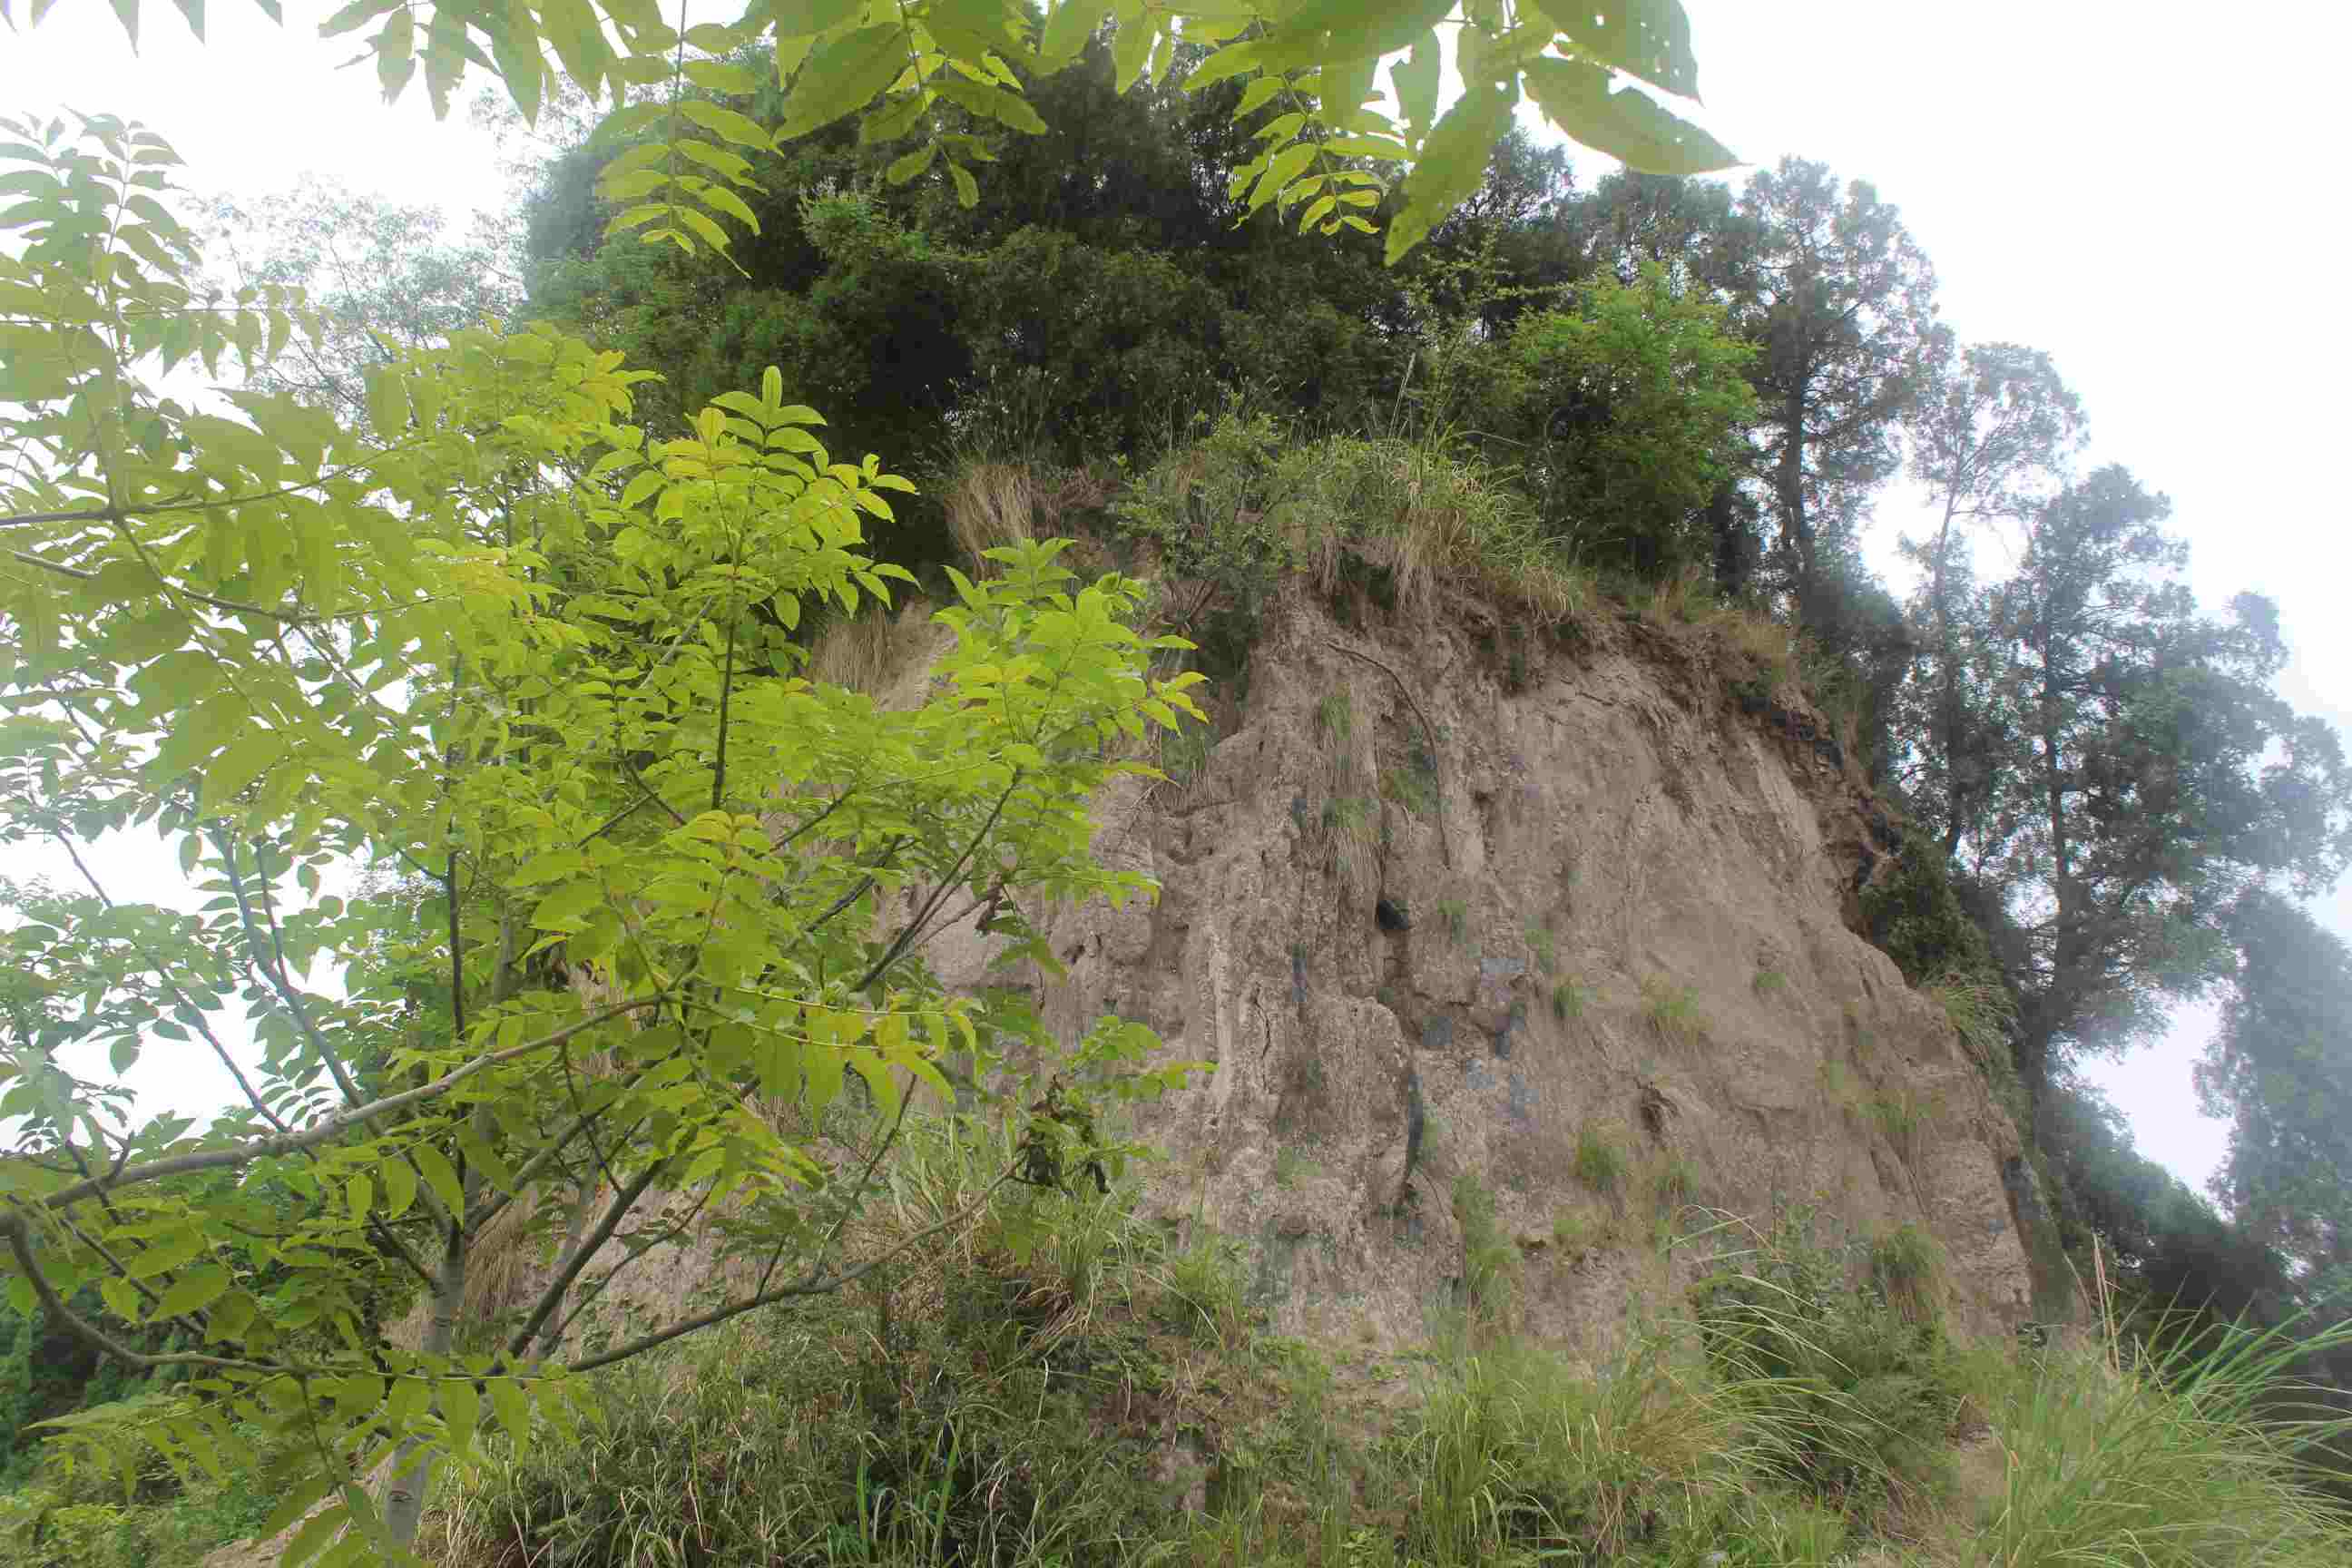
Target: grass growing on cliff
x: 1906, y: 1266
x: 1568, y: 1000
x: 1902, y: 1117
x: 1456, y: 917
x: 1233, y: 510
x: 1600, y: 1160
x: 1350, y: 829
x: 1673, y: 1010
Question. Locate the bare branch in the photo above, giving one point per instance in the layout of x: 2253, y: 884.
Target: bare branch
x: 278, y: 1145
x: 812, y: 1285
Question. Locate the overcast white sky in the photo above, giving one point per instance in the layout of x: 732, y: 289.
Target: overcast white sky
x: 2119, y: 184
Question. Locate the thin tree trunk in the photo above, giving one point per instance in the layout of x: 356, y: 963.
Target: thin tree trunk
x: 404, y: 1497
x: 404, y: 1494
x: 1790, y: 486
x: 2062, y: 954
x: 1948, y: 704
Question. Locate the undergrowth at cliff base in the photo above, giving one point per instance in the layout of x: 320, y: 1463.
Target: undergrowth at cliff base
x: 1071, y: 1384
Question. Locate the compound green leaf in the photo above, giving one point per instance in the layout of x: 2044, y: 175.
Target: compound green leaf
x: 726, y: 124
x: 198, y: 1288
x: 904, y: 169
x: 804, y: 18
x: 1416, y: 78
x: 1628, y: 125
x: 1453, y: 163
x: 1646, y: 38
x: 716, y: 76
x: 842, y: 76
x: 1068, y: 29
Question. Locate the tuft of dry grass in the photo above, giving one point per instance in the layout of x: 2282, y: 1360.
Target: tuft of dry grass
x: 992, y: 504
x: 865, y: 652
x: 1430, y: 522
x: 1767, y: 643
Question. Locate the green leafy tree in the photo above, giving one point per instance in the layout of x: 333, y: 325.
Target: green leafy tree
x: 1841, y: 301
x: 1636, y: 404
x: 509, y: 646
x: 1993, y: 434
x: 2280, y: 1070
x: 894, y: 64
x: 2153, y: 775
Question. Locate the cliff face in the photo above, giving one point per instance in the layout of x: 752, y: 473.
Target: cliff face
x: 1574, y: 923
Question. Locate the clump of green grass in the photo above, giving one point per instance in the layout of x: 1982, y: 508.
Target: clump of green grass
x: 1545, y: 946
x: 1351, y: 838
x: 1600, y: 1163
x: 1979, y: 1009
x: 1427, y: 518
x: 1850, y: 1399
x: 2170, y: 1459
x: 1567, y: 1000
x: 1906, y: 1266
x: 1673, y: 1010
x: 1902, y: 1117
x: 1183, y: 751
x: 1291, y: 1167
x: 1488, y: 1258
x: 1674, y: 1182
x: 1453, y: 919
x: 1204, y: 1291
x: 1334, y: 717
x: 1411, y: 788
x: 1516, y: 1455
x: 1771, y: 982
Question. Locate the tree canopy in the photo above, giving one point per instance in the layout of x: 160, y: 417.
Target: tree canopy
x: 900, y: 70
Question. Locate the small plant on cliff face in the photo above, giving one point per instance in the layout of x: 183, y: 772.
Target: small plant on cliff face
x: 1335, y: 719
x: 1673, y: 1010
x: 1412, y: 787
x: 1291, y: 1167
x: 1979, y: 1009
x: 1837, y: 1083
x: 1545, y: 946
x: 1353, y: 838
x: 1454, y: 917
x: 1771, y: 982
x: 1573, y: 1230
x: 1903, y: 1116
x: 1183, y: 752
x: 1906, y: 1266
x: 1600, y: 1158
x: 1674, y: 1182
x: 1487, y: 1255
x: 1568, y: 1000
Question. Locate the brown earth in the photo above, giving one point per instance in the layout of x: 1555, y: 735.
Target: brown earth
x: 1630, y: 889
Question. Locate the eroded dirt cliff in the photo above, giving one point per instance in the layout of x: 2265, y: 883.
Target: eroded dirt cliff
x: 1570, y: 920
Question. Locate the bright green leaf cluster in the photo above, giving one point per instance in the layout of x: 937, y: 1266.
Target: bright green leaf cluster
x: 648, y: 908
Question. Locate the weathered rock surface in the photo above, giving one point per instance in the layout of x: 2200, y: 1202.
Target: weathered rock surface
x: 1625, y: 898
